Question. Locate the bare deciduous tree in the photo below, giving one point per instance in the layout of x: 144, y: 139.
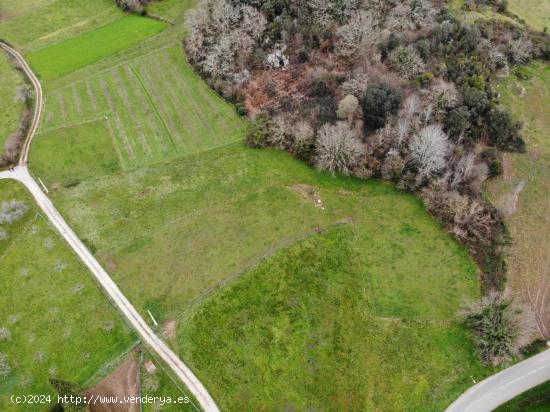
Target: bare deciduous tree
x: 253, y: 22
x: 360, y: 31
x: 429, y: 150
x: 463, y: 170
x: 338, y: 149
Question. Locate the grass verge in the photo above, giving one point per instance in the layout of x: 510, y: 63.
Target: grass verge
x: 11, y: 107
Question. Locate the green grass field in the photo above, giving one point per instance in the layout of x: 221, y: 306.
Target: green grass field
x: 150, y: 114
x: 169, y: 233
x: 11, y: 108
x: 40, y: 23
x: 143, y: 161
x: 528, y: 217
x: 75, y: 53
x: 300, y: 332
x: 60, y: 322
x: 536, y: 13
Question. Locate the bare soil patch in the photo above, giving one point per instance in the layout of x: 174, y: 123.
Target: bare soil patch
x: 124, y: 381
x: 169, y: 329
x: 310, y: 193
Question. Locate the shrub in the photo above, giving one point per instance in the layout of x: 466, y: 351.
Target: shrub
x: 338, y: 149
x: 259, y: 131
x: 477, y: 81
x: 457, y: 121
x: 347, y: 107
x: 68, y: 390
x: 521, y: 50
x: 303, y: 140
x: 12, y: 211
x: 504, y: 132
x: 303, y: 56
x: 241, y: 109
x: 5, y: 334
x: 425, y: 78
x: 476, y: 100
x: 319, y: 89
x: 500, y: 325
x: 523, y: 73
x: 393, y: 166
x: 495, y: 168
x: 380, y: 100
x: 5, y: 368
x: 406, y: 61
x: 133, y: 6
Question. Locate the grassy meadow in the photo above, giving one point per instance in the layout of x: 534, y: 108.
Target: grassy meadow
x: 536, y: 13
x: 11, y: 107
x: 35, y: 24
x: 77, y: 52
x: 522, y: 192
x: 302, y: 331
x: 59, y: 321
x: 147, y: 164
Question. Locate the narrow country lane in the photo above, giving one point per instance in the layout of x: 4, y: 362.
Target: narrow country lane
x: 21, y: 174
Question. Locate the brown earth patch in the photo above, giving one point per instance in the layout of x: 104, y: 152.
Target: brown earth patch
x: 345, y: 221
x: 310, y: 193
x: 169, y: 329
x: 344, y: 192
x: 111, y: 264
x: 511, y: 202
x: 507, y: 168
x: 123, y: 381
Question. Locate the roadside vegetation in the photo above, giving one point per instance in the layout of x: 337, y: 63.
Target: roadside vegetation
x: 15, y: 109
x: 534, y: 400
x: 54, y: 320
x: 12, y: 88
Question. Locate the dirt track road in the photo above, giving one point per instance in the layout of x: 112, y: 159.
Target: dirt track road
x: 21, y: 174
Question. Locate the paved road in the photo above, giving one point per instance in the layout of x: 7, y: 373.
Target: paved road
x: 492, y: 392
x: 21, y: 174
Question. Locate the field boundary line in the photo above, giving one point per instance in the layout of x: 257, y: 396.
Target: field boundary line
x: 153, y: 105
x: 254, y: 261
